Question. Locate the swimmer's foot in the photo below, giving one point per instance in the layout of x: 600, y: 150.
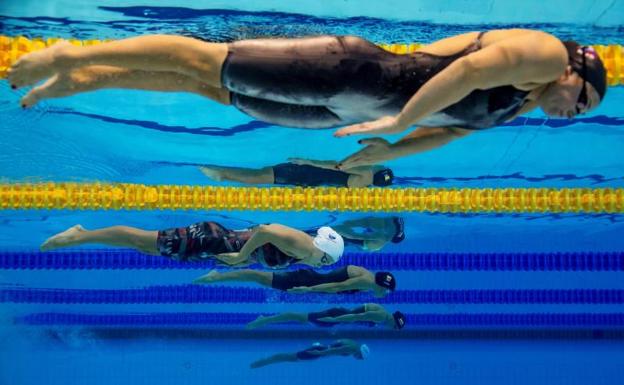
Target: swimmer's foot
x: 38, y: 65
x: 212, y: 276
x: 258, y: 322
x: 211, y: 173
x: 59, y: 85
x: 66, y: 238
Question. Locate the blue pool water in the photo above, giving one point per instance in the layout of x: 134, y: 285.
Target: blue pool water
x: 161, y: 138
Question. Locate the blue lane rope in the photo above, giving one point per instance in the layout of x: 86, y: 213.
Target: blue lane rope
x: 129, y: 259
x: 428, y: 319
x: 229, y: 294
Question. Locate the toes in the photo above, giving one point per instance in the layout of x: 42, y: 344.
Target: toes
x: 44, y: 91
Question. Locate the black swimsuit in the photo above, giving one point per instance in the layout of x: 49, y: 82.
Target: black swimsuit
x: 326, y: 81
x: 204, y: 240
x: 306, y: 175
x: 306, y: 277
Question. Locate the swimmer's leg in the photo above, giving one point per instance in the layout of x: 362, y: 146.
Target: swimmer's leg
x: 274, y: 359
x: 238, y: 174
x: 263, y: 278
x: 93, y: 78
x: 278, y: 318
x: 144, y: 241
x: 162, y: 53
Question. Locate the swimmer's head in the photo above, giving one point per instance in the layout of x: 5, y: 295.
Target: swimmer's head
x: 383, y: 178
x: 582, y: 86
x: 399, y: 320
x: 385, y: 280
x: 330, y: 243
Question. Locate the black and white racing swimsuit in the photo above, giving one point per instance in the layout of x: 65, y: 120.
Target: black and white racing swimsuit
x: 326, y: 81
x: 204, y: 240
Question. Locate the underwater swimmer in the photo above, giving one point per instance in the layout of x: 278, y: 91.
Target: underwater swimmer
x: 369, y: 314
x: 272, y: 245
x: 449, y: 88
x: 304, y: 172
x: 342, y: 347
x: 349, y: 279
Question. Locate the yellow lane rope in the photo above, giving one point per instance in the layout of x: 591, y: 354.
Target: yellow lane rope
x: 101, y: 196
x: 11, y: 48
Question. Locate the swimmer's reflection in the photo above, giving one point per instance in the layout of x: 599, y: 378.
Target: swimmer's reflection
x: 341, y: 347
x: 370, y: 233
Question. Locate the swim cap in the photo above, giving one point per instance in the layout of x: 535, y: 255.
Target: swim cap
x: 385, y: 279
x: 399, y: 319
x: 330, y: 242
x: 399, y: 235
x: 364, y: 351
x: 594, y: 72
x: 383, y: 177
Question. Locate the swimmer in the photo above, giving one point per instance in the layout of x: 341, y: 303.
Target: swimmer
x: 369, y: 314
x: 274, y: 246
x: 449, y: 88
x: 304, y: 172
x: 342, y: 347
x: 345, y: 280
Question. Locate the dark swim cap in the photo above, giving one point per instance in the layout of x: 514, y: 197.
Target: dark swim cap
x: 594, y: 72
x: 399, y: 319
x: 383, y: 177
x: 385, y: 279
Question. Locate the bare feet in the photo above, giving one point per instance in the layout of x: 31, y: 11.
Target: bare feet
x: 211, y: 173
x: 258, y: 322
x: 62, y: 239
x: 38, y: 65
x: 59, y: 85
x: 212, y: 276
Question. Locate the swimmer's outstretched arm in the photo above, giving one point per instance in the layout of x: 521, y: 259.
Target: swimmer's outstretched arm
x: 355, y: 283
x: 362, y: 175
x: 374, y: 316
x: 287, y: 239
x: 328, y: 164
x: 532, y: 58
x: 379, y: 150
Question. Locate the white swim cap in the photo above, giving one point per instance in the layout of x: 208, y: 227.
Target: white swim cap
x: 330, y: 242
x: 364, y: 350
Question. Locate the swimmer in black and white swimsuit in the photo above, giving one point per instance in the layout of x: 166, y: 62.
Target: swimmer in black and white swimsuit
x: 342, y: 347
x: 451, y: 87
x: 273, y: 246
x: 305, y: 173
x: 369, y: 314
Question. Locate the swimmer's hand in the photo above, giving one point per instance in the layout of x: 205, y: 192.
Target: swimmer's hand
x: 232, y: 259
x: 299, y: 290
x: 385, y: 125
x: 376, y: 151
